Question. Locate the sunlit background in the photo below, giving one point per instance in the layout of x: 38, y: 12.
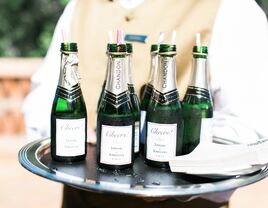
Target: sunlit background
x: 26, y: 28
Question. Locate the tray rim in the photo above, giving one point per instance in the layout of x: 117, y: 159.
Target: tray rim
x: 36, y: 167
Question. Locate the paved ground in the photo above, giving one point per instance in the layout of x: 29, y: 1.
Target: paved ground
x: 22, y: 189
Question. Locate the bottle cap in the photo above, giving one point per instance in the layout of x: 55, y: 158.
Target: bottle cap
x: 200, y: 51
x: 109, y: 45
x: 117, y: 48
x: 129, y: 48
x: 154, y: 48
x: 68, y: 47
x: 167, y: 49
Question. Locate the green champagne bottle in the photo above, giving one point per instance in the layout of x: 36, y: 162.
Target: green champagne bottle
x: 133, y: 98
x: 197, y: 104
x: 106, y: 75
x: 115, y: 119
x: 164, y: 123
x: 147, y: 93
x: 69, y: 114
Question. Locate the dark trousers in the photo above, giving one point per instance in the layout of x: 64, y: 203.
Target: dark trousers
x: 76, y: 198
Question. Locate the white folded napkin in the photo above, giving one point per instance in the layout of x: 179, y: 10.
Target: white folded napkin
x: 219, y: 159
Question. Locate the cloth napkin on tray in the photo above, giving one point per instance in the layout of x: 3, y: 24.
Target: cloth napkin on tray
x: 221, y: 159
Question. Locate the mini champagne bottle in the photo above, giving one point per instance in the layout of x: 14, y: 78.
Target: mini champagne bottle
x: 197, y: 104
x: 69, y: 114
x: 115, y: 119
x: 164, y: 115
x: 133, y: 98
x: 147, y: 93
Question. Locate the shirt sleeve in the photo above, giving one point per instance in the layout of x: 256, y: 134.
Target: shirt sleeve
x: 38, y: 103
x: 238, y: 66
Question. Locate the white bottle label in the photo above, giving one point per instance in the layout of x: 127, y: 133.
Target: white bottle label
x: 143, y: 129
x: 137, y: 137
x: 116, y: 145
x: 206, y: 130
x: 70, y: 137
x: 161, y: 141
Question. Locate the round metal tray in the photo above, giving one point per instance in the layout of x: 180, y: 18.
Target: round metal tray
x: 140, y: 181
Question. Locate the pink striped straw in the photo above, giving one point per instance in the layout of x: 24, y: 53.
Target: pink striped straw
x: 119, y: 37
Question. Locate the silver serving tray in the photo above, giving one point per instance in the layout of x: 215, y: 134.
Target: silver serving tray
x: 140, y: 181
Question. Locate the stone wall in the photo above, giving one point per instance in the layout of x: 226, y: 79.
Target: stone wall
x: 15, y: 84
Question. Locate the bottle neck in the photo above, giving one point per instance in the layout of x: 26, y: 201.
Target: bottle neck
x: 116, y: 82
x: 69, y: 74
x: 153, y: 68
x: 166, y: 74
x: 129, y: 69
x: 199, y: 73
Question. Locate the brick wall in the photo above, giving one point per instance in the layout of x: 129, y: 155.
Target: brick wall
x: 15, y: 84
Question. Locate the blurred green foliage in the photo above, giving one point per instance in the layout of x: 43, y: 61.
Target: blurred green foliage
x: 26, y: 26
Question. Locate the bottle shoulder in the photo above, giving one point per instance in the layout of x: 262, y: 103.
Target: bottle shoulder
x: 123, y: 110
x: 65, y: 106
x: 197, y: 105
x: 158, y: 113
x: 197, y: 101
x: 199, y: 111
x: 175, y: 104
x: 156, y: 105
x: 165, y: 100
x: 111, y: 115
